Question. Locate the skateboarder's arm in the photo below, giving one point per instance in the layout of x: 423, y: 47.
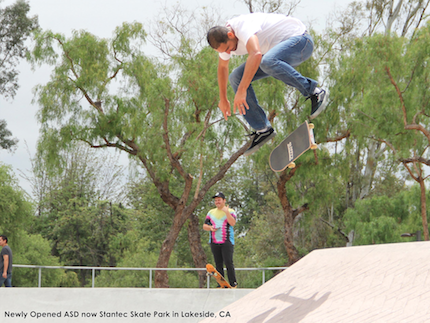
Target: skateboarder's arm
x: 224, y: 104
x: 252, y: 64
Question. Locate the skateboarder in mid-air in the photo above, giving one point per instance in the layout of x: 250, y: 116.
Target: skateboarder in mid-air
x: 220, y: 222
x: 275, y: 44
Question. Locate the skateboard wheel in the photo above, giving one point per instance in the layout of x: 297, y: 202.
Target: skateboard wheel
x: 311, y: 126
x: 314, y: 146
x: 291, y: 165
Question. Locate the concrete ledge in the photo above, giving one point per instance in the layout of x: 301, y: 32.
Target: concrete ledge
x: 114, y: 304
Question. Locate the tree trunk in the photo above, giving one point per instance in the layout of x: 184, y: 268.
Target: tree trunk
x: 369, y: 170
x: 161, y: 279
x: 293, y: 254
x: 419, y: 178
x: 183, y: 212
x: 199, y: 255
x: 424, y: 209
x: 289, y: 216
x: 393, y: 15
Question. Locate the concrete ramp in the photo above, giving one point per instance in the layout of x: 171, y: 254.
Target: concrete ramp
x: 377, y: 283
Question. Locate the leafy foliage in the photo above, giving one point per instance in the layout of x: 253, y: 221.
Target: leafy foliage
x: 73, y: 212
x: 383, y: 219
x: 15, y: 28
x: 35, y: 250
x: 15, y: 209
x: 5, y: 141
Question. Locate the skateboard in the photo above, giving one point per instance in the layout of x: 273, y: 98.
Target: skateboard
x: 296, y: 144
x: 211, y: 271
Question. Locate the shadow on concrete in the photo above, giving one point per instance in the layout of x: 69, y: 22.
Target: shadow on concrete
x: 296, y: 312
x: 260, y: 318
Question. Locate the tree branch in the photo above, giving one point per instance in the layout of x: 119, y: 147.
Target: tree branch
x: 420, y: 128
x: 338, y: 229
x: 420, y: 160
x: 399, y: 93
x: 342, y: 136
x: 410, y: 172
x: 173, y: 160
x: 300, y: 210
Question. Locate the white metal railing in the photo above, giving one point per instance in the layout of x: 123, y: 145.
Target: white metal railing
x: 151, y: 270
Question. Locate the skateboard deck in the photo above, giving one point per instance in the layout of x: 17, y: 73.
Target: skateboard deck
x: 211, y: 271
x: 296, y: 144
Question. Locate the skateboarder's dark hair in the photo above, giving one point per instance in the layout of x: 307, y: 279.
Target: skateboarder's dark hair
x: 217, y: 35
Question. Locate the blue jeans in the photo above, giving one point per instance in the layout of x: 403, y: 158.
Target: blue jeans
x: 7, y: 281
x: 278, y: 62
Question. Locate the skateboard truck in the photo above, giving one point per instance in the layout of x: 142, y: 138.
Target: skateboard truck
x: 313, y: 144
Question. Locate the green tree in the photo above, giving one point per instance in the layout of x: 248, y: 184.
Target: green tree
x: 15, y: 209
x: 168, y: 126
x: 35, y: 250
x: 383, y: 219
x: 5, y: 141
x: 387, y: 100
x: 82, y: 234
x: 141, y: 254
x: 79, y: 208
x: 361, y: 19
x: 16, y: 218
x: 393, y: 16
x: 15, y: 28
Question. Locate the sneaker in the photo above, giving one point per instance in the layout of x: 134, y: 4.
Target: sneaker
x: 259, y: 140
x: 234, y: 285
x: 319, y: 103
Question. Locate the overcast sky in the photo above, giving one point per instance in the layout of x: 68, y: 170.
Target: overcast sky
x: 100, y: 17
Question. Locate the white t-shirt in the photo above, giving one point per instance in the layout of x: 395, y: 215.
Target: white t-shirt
x: 271, y: 29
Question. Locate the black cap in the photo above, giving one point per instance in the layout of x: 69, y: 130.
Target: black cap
x: 219, y: 194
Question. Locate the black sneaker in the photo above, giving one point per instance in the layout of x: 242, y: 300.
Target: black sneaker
x: 319, y: 103
x: 259, y: 140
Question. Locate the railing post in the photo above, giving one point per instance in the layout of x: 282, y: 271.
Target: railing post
x: 93, y: 277
x: 40, y: 277
x: 264, y: 276
x: 150, y: 278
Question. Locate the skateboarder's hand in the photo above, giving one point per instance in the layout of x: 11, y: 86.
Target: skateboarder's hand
x: 224, y: 106
x: 240, y: 103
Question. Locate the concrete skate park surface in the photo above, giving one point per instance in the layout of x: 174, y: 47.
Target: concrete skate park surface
x: 116, y: 305
x: 377, y: 283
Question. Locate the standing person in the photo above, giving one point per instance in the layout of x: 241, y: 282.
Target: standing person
x: 5, y: 263
x: 275, y: 45
x: 220, y: 222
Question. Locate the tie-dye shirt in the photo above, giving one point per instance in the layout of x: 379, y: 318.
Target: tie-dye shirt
x: 218, y: 219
